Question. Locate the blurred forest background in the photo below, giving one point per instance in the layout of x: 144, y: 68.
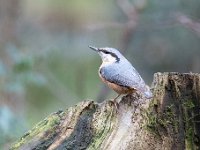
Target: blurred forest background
x: 46, y: 65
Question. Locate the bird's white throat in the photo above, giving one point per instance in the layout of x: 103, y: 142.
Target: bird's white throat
x: 107, y: 60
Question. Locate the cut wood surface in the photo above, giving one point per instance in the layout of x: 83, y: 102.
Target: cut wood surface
x: 170, y: 120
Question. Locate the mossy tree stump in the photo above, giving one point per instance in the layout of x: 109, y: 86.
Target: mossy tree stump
x: 170, y: 120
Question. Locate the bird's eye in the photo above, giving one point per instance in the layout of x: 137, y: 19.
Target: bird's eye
x: 106, y: 52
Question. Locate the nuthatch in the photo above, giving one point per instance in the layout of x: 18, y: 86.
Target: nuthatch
x: 118, y: 73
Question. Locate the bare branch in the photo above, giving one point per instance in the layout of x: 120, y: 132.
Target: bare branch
x: 189, y: 23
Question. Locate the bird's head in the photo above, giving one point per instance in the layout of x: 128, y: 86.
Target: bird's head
x: 108, y: 55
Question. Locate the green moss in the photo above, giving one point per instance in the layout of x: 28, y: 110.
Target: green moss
x: 151, y: 118
x: 152, y: 123
x: 189, y: 137
x: 103, y: 124
x: 155, y: 121
x: 168, y: 119
x: 188, y: 105
x: 40, y: 128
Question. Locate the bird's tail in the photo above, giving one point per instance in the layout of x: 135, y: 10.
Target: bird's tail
x: 147, y: 93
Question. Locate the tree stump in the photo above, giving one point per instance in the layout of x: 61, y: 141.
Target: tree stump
x: 170, y: 120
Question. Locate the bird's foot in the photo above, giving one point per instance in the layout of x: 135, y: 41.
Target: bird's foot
x: 116, y: 104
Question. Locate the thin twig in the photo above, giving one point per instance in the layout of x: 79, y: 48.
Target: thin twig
x: 189, y: 23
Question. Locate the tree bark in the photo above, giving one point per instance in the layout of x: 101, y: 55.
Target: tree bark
x: 170, y: 120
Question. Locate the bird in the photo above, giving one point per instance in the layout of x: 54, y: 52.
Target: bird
x: 119, y: 74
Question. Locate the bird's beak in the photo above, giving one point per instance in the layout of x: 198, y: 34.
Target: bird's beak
x: 94, y: 48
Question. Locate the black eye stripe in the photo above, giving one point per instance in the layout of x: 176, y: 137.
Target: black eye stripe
x: 112, y: 54
x: 106, y: 52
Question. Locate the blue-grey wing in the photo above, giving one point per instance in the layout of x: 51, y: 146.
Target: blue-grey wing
x: 127, y: 77
x: 130, y: 77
